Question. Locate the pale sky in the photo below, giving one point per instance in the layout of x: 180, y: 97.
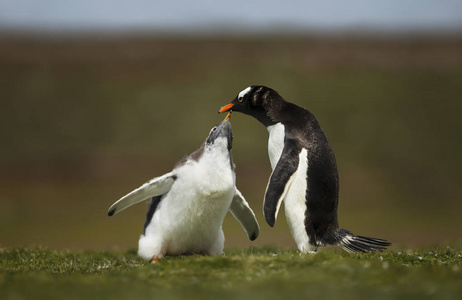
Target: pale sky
x: 239, y: 14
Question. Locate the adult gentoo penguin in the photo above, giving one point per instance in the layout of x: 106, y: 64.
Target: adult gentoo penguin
x: 304, y: 173
x: 189, y: 204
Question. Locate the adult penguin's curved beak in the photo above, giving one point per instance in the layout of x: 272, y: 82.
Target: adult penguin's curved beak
x: 226, y: 108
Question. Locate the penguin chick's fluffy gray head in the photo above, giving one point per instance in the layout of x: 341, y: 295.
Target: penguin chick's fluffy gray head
x: 221, y: 135
x: 257, y: 101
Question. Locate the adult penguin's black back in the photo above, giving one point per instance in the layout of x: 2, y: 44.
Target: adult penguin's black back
x: 304, y: 173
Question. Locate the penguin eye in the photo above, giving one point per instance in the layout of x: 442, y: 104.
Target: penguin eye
x: 240, y: 99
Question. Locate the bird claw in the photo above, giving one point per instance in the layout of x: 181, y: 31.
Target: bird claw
x: 155, y: 260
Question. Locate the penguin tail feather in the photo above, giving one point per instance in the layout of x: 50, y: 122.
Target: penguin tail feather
x: 359, y: 244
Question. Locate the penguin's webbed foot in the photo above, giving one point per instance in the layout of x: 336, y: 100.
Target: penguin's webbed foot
x: 155, y: 260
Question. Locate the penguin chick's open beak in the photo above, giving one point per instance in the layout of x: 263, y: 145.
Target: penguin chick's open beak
x: 228, y: 116
x: 225, y: 108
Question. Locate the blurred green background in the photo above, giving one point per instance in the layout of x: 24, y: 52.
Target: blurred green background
x: 87, y: 119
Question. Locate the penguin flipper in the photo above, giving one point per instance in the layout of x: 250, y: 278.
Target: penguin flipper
x: 241, y: 210
x: 154, y: 187
x: 280, y: 180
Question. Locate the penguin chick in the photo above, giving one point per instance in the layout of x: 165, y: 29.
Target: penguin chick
x: 304, y: 173
x: 189, y: 203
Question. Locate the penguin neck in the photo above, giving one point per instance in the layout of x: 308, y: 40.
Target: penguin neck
x: 218, y: 158
x: 262, y: 116
x: 270, y: 113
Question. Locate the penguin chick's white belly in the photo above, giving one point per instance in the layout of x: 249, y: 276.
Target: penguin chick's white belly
x: 295, y: 199
x: 190, y: 216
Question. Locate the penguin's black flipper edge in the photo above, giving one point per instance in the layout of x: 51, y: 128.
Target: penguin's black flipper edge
x: 241, y: 210
x: 155, y: 201
x: 280, y: 180
x: 154, y: 187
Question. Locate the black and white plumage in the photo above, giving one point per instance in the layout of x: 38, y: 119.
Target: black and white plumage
x: 304, y: 173
x: 189, y: 204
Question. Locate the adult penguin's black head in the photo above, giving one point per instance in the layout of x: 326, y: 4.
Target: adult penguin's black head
x: 258, y: 101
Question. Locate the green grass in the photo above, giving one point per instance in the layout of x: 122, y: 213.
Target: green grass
x: 244, y: 273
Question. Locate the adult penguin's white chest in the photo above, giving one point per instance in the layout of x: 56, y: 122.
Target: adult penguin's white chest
x: 275, y: 143
x: 294, y: 201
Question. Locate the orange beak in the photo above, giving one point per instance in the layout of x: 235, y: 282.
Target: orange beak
x: 226, y: 108
x: 228, y: 116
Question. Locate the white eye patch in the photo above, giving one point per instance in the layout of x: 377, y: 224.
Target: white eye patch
x: 243, y: 92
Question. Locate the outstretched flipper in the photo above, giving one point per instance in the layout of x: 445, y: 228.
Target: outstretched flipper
x: 244, y: 214
x: 280, y: 180
x: 154, y: 187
